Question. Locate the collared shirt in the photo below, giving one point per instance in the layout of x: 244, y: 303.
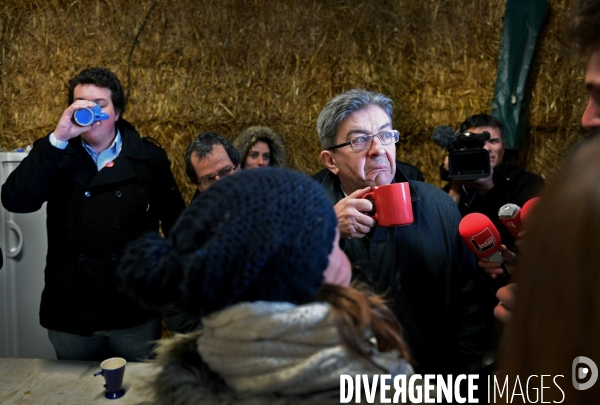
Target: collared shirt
x: 100, y: 159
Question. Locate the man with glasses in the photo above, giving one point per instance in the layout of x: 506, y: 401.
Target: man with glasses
x: 208, y: 158
x: 423, y: 269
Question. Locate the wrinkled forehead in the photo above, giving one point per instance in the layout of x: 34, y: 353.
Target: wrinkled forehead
x: 367, y: 121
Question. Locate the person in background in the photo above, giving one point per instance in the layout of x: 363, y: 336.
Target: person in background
x: 208, y: 158
x: 583, y: 30
x: 260, y: 147
x: 424, y: 269
x: 104, y: 186
x: 281, y: 322
x: 507, y: 183
x: 558, y: 283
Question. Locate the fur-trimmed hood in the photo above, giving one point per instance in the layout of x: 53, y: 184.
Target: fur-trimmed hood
x: 184, y: 379
x: 263, y: 353
x: 248, y: 137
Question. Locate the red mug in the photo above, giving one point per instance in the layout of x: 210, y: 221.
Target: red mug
x: 392, y: 205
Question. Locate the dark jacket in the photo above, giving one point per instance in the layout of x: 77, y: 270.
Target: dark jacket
x: 512, y: 184
x: 91, y: 215
x: 429, y: 277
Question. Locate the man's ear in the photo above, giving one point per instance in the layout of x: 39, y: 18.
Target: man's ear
x: 328, y: 159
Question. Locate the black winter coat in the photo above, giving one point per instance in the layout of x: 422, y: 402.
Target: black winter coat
x: 428, y: 277
x: 91, y: 215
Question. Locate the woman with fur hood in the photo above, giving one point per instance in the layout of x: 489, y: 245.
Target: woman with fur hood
x: 265, y: 272
x: 260, y: 147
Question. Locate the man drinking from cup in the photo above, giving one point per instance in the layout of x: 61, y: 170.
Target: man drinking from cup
x: 423, y: 268
x: 104, y: 186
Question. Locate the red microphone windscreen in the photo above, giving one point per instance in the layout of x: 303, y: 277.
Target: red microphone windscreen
x: 480, y: 234
x: 527, y: 207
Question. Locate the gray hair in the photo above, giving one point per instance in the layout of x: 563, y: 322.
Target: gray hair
x: 342, y: 106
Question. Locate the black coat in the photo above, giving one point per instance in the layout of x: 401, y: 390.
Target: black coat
x: 91, y: 215
x: 428, y: 277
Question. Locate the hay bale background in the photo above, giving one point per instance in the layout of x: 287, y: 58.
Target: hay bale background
x: 223, y: 65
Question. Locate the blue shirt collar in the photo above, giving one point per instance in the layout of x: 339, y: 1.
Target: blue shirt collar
x: 106, y: 156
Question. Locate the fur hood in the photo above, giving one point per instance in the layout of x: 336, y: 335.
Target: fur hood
x: 263, y: 353
x: 249, y: 137
x: 184, y: 379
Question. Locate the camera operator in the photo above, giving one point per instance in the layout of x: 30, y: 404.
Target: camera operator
x: 507, y: 183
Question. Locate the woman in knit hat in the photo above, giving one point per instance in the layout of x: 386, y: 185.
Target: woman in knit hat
x: 260, y: 147
x: 265, y: 272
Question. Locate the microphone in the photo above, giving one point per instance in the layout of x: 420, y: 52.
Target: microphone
x: 444, y: 136
x: 481, y: 236
x: 527, y: 207
x: 510, y: 216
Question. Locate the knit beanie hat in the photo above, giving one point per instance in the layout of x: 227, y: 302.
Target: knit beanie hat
x: 257, y: 235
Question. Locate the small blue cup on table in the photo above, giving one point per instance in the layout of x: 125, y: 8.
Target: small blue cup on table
x: 113, y: 371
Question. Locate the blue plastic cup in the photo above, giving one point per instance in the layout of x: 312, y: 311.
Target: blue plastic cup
x: 113, y: 371
x: 88, y: 116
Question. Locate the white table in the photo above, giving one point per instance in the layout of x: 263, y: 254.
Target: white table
x: 53, y: 382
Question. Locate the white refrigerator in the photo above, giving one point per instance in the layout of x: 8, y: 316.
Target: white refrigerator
x: 24, y: 243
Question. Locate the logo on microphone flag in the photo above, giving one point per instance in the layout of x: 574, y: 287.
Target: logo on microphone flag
x: 484, y: 240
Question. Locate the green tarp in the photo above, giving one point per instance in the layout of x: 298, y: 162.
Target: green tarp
x: 522, y: 22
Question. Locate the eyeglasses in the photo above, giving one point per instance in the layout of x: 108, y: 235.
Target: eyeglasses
x: 208, y: 180
x: 363, y: 142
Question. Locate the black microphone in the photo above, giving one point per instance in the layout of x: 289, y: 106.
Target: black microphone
x: 444, y: 136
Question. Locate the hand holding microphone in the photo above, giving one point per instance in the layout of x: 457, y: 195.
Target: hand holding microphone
x: 513, y: 217
x: 506, y: 295
x: 483, y: 239
x: 495, y: 269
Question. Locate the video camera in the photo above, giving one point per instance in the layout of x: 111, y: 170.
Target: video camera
x: 467, y: 160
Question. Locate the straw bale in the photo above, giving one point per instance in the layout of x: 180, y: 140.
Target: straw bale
x: 223, y: 65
